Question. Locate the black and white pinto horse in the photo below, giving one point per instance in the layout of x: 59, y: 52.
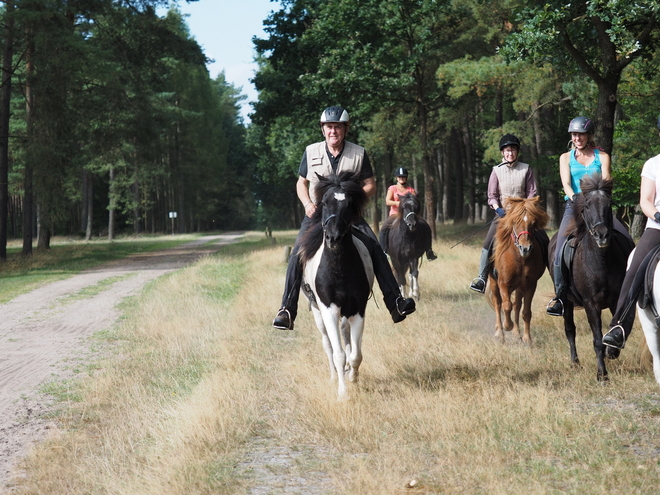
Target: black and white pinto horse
x: 338, y: 274
x: 406, y: 236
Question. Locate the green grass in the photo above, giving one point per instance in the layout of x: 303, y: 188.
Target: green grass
x: 19, y: 275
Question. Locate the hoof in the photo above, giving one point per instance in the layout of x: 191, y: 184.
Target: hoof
x: 612, y: 352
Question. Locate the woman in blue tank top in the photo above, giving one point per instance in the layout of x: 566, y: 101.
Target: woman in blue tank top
x: 583, y: 159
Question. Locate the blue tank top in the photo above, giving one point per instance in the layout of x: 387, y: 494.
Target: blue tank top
x: 578, y: 170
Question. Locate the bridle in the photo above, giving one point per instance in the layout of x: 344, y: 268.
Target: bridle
x: 592, y: 228
x: 405, y: 219
x: 516, y: 237
x: 325, y: 222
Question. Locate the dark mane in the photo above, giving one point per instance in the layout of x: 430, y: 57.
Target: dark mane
x: 588, y: 184
x: 346, y: 182
x: 408, y: 199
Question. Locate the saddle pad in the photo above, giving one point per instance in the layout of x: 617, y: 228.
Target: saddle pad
x: 651, y: 261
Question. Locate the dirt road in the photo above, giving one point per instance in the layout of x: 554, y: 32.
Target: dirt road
x: 44, y: 335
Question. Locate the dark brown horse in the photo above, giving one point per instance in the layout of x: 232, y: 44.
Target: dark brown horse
x: 406, y: 236
x: 598, y: 263
x: 519, y: 262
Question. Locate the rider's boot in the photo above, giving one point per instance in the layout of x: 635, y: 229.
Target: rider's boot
x: 479, y: 283
x: 556, y: 305
x: 283, y: 320
x: 430, y: 255
x: 289, y: 309
x: 615, y: 338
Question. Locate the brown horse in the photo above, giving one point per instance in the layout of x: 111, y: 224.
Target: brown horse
x: 519, y: 262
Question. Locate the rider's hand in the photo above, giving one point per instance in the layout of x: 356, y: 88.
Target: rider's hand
x: 310, y: 208
x: 500, y: 212
x: 656, y: 217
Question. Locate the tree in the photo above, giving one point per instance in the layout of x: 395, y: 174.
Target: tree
x: 598, y: 38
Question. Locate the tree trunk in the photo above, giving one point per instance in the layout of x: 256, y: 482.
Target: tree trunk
x: 90, y: 206
x: 28, y: 172
x: 111, y: 206
x: 5, y: 102
x: 605, y: 112
x: 426, y: 167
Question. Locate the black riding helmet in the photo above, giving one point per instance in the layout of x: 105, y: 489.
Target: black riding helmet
x: 334, y: 114
x: 509, y: 140
x: 581, y: 124
x: 401, y: 172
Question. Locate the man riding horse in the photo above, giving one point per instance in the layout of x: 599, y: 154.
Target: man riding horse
x: 335, y: 154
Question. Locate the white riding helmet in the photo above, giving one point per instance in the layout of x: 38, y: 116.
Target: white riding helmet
x: 334, y: 114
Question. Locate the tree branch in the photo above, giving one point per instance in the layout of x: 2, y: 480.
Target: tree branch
x: 577, y: 56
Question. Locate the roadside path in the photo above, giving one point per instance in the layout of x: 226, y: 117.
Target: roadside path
x: 44, y: 335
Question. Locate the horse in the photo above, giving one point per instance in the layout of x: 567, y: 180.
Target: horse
x: 598, y: 264
x: 650, y: 321
x: 405, y: 236
x: 519, y: 262
x: 338, y: 274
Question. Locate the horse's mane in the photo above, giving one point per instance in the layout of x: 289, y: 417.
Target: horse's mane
x: 408, y: 198
x: 588, y: 184
x: 516, y: 210
x: 348, y: 182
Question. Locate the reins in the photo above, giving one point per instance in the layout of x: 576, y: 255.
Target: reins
x: 325, y: 222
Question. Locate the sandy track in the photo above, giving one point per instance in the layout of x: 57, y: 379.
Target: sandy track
x: 43, y: 335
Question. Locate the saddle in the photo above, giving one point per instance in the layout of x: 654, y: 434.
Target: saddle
x: 568, y: 253
x: 643, y: 282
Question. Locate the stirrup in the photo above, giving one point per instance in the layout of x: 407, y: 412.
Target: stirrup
x: 611, y: 339
x: 283, y: 320
x: 552, y: 309
x: 478, y: 285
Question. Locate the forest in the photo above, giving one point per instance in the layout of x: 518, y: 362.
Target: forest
x: 109, y: 120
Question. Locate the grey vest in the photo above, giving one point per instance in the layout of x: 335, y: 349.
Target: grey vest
x: 319, y: 163
x: 512, y: 180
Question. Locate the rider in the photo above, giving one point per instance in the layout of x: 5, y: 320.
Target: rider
x: 649, y: 200
x: 395, y: 191
x: 584, y: 158
x: 399, y: 189
x: 335, y: 154
x: 510, y: 178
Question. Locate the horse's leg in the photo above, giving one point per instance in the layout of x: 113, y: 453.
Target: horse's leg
x: 327, y: 346
x: 414, y: 274
x: 516, y: 300
x: 355, y: 355
x: 569, y: 330
x: 595, y: 322
x: 527, y: 312
x: 507, y: 306
x: 332, y: 321
x: 496, y: 299
x: 652, y: 338
x: 346, y: 337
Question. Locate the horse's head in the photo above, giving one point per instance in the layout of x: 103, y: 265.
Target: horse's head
x: 593, y: 209
x: 341, y: 205
x: 409, y: 209
x: 522, y: 218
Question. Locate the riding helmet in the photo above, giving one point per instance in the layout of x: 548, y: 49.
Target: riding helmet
x: 509, y: 140
x: 401, y: 172
x: 581, y: 124
x: 334, y: 114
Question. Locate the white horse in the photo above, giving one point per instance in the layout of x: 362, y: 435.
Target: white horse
x: 338, y: 275
x: 649, y: 325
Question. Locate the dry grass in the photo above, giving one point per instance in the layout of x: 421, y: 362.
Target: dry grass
x: 205, y: 397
